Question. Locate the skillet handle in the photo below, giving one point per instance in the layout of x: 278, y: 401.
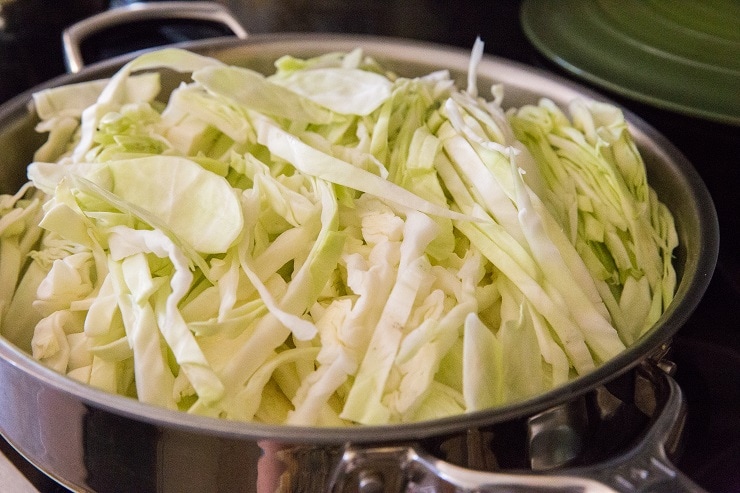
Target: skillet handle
x: 643, y: 468
x: 205, y: 12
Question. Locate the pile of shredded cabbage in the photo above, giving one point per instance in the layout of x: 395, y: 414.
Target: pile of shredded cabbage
x: 327, y: 245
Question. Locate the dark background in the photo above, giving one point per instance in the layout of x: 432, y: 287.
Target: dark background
x: 706, y: 350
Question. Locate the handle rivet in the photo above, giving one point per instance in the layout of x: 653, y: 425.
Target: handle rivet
x: 370, y: 482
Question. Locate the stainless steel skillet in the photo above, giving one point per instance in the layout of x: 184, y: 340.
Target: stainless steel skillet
x: 92, y: 441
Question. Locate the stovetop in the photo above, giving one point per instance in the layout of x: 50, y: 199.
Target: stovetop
x: 706, y: 350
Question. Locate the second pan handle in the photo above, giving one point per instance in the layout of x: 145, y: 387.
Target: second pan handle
x: 207, y: 12
x: 643, y: 468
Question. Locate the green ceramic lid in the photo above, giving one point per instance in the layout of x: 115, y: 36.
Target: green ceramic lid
x: 681, y: 55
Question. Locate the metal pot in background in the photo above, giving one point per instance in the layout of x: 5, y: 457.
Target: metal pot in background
x: 94, y: 441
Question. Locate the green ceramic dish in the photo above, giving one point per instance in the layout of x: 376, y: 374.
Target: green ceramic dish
x: 680, y: 55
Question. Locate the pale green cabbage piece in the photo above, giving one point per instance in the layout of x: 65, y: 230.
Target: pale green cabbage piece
x: 347, y: 91
x: 328, y: 245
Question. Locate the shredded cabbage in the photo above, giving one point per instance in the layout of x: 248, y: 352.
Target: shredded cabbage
x: 328, y: 245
